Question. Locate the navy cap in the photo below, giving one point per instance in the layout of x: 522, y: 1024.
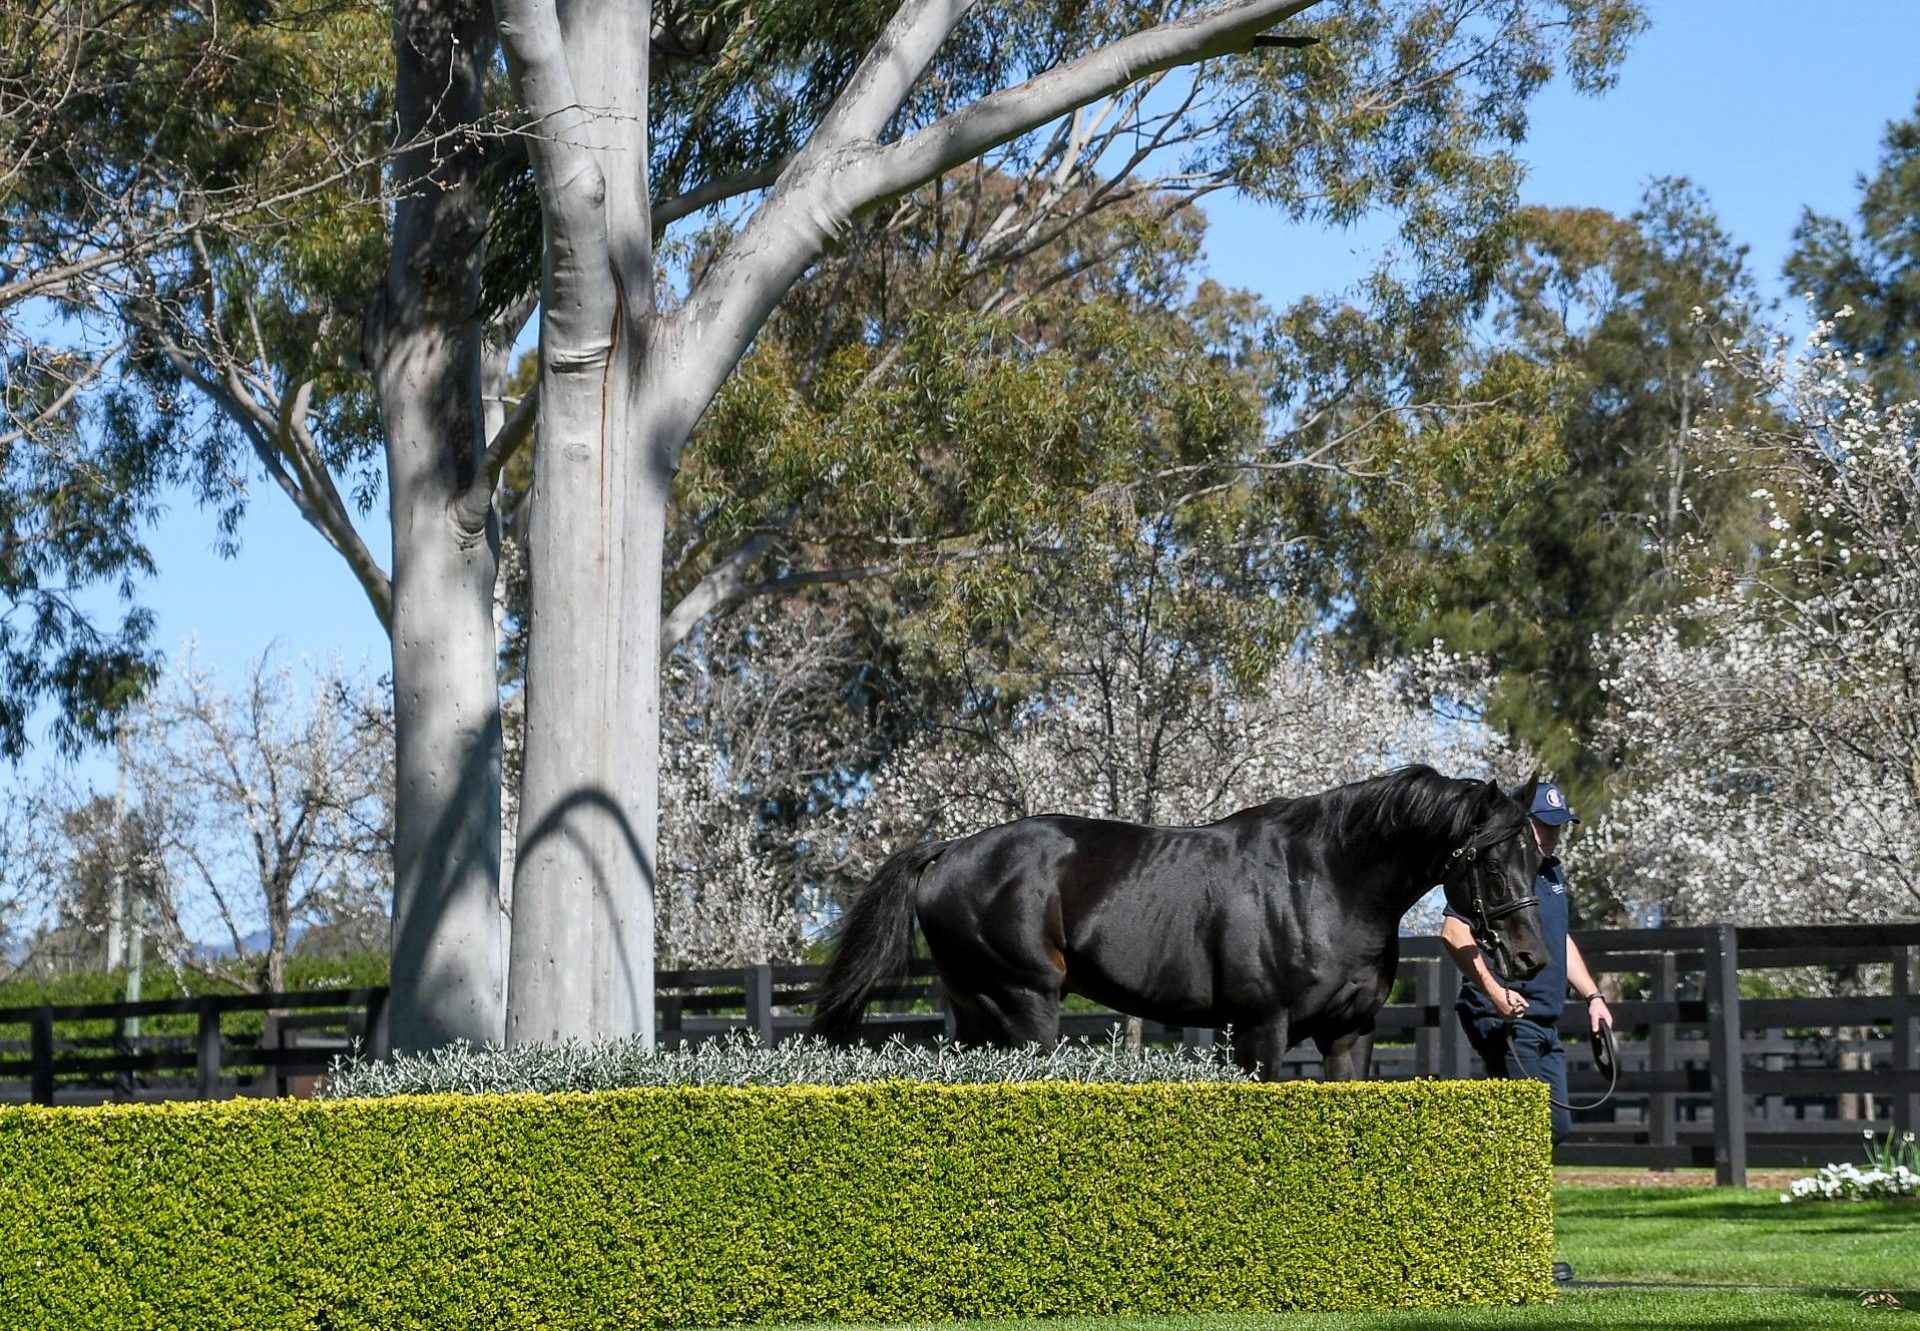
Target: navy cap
x: 1549, y: 805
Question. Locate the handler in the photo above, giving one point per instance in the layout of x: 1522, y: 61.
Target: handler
x: 1491, y: 1007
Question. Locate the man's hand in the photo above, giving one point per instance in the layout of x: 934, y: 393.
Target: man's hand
x: 1509, y: 1004
x: 1597, y: 1012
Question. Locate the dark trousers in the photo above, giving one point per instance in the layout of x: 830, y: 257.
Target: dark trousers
x: 1535, y: 1052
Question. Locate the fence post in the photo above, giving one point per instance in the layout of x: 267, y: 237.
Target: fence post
x: 1662, y: 1111
x: 1906, y: 1047
x: 379, y: 1025
x: 272, y: 1041
x: 208, y: 1061
x: 42, y: 1040
x: 760, y: 1003
x: 1456, y: 1055
x: 1426, y: 1039
x: 122, y: 1049
x: 1723, y: 1055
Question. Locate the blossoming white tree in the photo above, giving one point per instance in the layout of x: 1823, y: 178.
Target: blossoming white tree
x: 757, y: 739
x: 1098, y: 743
x: 1770, y: 730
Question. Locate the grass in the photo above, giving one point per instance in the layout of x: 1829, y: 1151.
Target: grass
x: 1745, y: 1237
x: 1617, y: 1309
x: 1797, y: 1266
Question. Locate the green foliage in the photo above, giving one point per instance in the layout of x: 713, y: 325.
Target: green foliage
x: 1544, y: 522
x: 367, y: 970
x: 702, y: 1207
x: 186, y: 189
x: 1874, y: 270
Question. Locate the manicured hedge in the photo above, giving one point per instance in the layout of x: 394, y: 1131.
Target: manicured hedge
x: 707, y: 1206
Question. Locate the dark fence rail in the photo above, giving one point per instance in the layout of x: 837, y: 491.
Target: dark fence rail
x: 1811, y: 1073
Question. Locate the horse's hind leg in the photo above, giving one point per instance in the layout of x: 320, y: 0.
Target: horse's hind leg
x: 1006, y: 1016
x: 1260, y: 1048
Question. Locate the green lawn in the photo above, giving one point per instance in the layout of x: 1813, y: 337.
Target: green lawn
x: 1799, y: 1266
x: 1617, y: 1309
x: 1721, y: 1236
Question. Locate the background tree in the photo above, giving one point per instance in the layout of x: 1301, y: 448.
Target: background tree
x: 269, y: 810
x: 767, y: 735
x: 1770, y: 728
x: 157, y: 162
x: 88, y: 860
x: 1100, y: 745
x: 1875, y: 270
x: 1603, y: 312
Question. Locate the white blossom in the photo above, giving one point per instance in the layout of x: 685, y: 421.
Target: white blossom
x: 1769, y: 731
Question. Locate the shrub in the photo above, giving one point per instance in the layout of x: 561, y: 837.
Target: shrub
x: 367, y: 970
x: 888, y: 1201
x: 740, y: 1060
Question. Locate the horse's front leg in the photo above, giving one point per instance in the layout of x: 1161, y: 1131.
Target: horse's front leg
x: 1260, y: 1048
x: 1349, y: 1055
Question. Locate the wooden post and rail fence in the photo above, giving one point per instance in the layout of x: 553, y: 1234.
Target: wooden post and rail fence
x: 1708, y: 1076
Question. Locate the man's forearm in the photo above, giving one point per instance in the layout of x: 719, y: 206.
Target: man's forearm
x: 1466, y: 954
x: 1579, y: 978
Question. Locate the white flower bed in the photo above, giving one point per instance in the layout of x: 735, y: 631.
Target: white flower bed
x: 1893, y: 1170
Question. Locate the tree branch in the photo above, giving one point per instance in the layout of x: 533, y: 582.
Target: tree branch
x: 842, y: 170
x: 1002, y: 116
x: 669, y: 211
x: 324, y: 508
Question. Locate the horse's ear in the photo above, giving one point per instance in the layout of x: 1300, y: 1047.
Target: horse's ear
x: 1525, y: 796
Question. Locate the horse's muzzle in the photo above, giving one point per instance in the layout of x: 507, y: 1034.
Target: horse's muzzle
x: 1525, y: 965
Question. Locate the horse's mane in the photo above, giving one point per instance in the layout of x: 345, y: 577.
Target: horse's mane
x: 1410, y: 798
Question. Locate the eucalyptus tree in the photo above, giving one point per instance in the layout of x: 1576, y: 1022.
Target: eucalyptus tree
x: 1872, y: 266
x: 626, y: 376
x: 1603, y: 316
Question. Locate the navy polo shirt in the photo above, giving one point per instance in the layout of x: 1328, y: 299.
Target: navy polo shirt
x: 1546, y: 992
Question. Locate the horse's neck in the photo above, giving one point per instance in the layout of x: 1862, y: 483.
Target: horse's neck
x: 1411, y: 869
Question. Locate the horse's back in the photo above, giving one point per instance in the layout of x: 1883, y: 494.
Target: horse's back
x: 1145, y: 917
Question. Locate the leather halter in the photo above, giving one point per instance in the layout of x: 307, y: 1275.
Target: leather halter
x: 1484, y: 916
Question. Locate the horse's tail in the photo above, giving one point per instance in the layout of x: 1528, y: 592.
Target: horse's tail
x: 875, y: 937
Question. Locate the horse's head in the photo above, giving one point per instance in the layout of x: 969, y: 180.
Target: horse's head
x: 1489, y: 880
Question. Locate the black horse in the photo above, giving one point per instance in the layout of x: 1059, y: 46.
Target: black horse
x: 1281, y: 921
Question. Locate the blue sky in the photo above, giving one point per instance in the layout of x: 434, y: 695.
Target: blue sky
x: 1769, y: 106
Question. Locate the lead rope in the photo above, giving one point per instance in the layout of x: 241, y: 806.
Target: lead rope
x: 1605, y: 1051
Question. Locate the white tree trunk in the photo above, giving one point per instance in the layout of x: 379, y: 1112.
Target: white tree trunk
x: 582, y: 946
x: 581, y: 953
x: 621, y: 388
x: 424, y: 340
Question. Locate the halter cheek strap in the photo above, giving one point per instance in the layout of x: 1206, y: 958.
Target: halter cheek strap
x: 1483, y: 915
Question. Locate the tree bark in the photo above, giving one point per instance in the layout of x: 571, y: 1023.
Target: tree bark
x: 425, y: 348
x: 581, y: 952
